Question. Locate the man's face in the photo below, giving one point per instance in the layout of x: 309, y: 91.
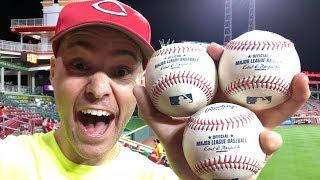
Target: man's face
x: 93, y: 78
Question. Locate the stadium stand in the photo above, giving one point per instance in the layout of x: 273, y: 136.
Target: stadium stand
x: 26, y: 112
x: 309, y: 113
x: 17, y: 119
x: 42, y: 105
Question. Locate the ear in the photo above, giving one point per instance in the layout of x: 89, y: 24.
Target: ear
x: 52, y: 69
x: 143, y: 79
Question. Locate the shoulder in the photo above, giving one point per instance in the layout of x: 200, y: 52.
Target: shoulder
x: 129, y: 155
x: 140, y: 164
x: 14, y: 141
x: 19, y: 155
x: 20, y: 145
x: 17, y: 151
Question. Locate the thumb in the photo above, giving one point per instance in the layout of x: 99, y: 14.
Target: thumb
x: 270, y: 141
x: 146, y: 108
x: 148, y: 112
x: 164, y: 126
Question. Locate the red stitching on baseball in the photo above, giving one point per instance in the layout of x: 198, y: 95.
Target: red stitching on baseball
x: 227, y: 162
x: 176, y: 50
x: 211, y: 124
x: 184, y: 77
x: 257, y: 45
x: 262, y: 81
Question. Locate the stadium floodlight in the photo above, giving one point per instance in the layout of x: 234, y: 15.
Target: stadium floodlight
x: 252, y: 15
x: 228, y: 19
x: 163, y: 43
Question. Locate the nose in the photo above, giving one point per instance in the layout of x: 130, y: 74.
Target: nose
x: 98, y: 86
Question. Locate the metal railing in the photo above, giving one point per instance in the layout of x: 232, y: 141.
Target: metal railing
x: 45, y: 109
x: 23, y: 89
x: 14, y: 88
x: 19, y: 47
x: 27, y: 22
x: 9, y: 45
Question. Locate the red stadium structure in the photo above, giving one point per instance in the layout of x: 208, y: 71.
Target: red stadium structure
x: 310, y: 112
x: 314, y: 82
x: 313, y: 76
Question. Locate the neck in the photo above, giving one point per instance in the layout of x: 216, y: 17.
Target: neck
x: 70, y: 153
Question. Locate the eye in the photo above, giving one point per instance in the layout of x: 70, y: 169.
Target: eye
x: 122, y: 72
x: 79, y: 65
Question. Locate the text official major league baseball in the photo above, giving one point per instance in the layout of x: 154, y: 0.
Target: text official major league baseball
x: 256, y: 69
x: 221, y: 141
x: 181, y: 78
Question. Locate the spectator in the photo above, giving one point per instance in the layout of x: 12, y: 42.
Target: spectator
x: 24, y: 130
x: 3, y: 116
x: 48, y: 125
x: 2, y: 113
x: 37, y: 102
x: 45, y: 125
x: 55, y: 123
x: 158, y: 148
x: 51, y: 125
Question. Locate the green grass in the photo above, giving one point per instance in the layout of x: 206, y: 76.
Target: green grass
x: 299, y: 156
x: 134, y: 123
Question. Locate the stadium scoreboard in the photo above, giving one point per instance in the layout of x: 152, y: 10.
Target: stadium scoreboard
x: 29, y: 57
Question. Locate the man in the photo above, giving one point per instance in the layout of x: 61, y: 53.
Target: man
x: 2, y: 113
x: 101, y: 49
x: 3, y: 117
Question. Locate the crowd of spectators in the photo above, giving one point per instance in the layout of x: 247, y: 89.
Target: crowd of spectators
x: 19, y: 122
x: 49, y: 125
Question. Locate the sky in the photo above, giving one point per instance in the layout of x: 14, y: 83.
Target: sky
x: 202, y: 20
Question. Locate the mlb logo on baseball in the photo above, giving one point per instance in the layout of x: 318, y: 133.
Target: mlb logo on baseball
x: 177, y: 100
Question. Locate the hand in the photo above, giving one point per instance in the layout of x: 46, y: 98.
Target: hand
x: 169, y: 130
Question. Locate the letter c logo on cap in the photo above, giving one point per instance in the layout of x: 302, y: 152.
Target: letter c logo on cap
x: 123, y: 12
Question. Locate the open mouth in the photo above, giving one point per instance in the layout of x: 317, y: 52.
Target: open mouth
x: 95, y: 122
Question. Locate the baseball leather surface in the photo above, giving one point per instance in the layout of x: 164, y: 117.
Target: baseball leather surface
x: 181, y: 78
x: 221, y: 141
x: 256, y: 69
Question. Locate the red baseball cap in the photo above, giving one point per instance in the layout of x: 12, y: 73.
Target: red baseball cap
x: 110, y: 13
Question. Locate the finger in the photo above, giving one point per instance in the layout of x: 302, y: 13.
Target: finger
x: 270, y: 141
x: 220, y: 96
x: 146, y: 108
x: 215, y: 51
x: 300, y: 93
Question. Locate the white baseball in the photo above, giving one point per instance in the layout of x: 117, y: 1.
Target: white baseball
x: 221, y: 141
x: 256, y: 69
x: 181, y: 78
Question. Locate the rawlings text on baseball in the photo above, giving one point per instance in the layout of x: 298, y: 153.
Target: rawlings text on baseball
x: 221, y: 141
x: 256, y: 69
x: 181, y: 78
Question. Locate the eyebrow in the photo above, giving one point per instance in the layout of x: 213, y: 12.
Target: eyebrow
x: 84, y: 44
x: 123, y: 52
x: 90, y: 46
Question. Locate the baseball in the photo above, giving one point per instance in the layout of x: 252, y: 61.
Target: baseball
x: 256, y: 69
x: 221, y: 141
x: 181, y: 78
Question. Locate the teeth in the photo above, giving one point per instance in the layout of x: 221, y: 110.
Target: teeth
x: 95, y: 112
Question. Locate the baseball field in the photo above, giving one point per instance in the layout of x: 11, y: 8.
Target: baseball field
x: 298, y: 158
